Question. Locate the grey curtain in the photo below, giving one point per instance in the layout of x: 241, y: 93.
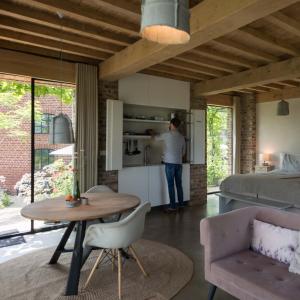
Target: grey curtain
x: 86, y: 148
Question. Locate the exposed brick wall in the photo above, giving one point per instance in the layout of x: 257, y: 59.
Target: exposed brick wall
x: 248, y: 133
x: 198, y: 173
x: 230, y: 141
x: 107, y: 90
x: 15, y: 153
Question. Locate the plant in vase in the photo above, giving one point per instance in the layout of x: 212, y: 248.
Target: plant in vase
x: 73, y: 199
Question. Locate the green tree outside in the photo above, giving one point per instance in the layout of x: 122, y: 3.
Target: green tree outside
x: 217, y: 155
x: 15, y: 112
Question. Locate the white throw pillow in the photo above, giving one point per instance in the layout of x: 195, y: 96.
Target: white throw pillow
x: 274, y: 241
x: 295, y: 263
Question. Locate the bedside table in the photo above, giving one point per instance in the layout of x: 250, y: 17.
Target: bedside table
x: 263, y: 169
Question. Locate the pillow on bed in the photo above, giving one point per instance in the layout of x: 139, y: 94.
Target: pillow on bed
x: 289, y: 162
x: 274, y: 241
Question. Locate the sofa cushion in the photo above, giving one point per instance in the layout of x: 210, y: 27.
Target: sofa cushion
x: 255, y: 275
x: 274, y: 241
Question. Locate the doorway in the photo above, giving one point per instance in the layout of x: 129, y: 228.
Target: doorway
x: 219, y: 145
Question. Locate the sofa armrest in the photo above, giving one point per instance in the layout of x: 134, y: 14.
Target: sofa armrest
x: 226, y: 234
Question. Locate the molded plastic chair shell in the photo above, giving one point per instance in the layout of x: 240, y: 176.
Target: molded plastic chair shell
x: 99, y: 189
x: 120, y: 234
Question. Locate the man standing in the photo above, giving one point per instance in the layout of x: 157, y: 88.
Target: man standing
x: 174, y: 150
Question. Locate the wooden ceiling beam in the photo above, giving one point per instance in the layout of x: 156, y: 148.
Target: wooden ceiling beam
x: 224, y: 57
x: 184, y: 73
x: 56, y: 34
x: 220, y: 100
x: 278, y: 71
x: 174, y: 62
x: 47, y: 53
x: 123, y: 5
x: 288, y: 83
x: 244, y: 50
x: 269, y: 41
x: 286, y: 94
x: 28, y: 39
x: 166, y: 75
x: 30, y: 65
x: 85, y: 14
x: 284, y: 22
x: 273, y: 86
x: 209, y: 20
x: 210, y: 63
x: 23, y: 12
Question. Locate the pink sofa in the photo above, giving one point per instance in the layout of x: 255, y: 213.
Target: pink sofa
x: 233, y: 267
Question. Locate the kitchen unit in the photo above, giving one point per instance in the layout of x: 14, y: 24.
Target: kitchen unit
x: 148, y: 103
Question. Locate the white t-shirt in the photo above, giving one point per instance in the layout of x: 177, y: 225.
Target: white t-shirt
x: 174, y: 146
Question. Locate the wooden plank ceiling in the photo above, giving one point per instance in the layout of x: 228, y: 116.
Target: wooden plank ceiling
x: 93, y: 31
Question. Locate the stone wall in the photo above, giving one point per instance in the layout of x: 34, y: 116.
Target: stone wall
x: 248, y: 133
x: 198, y: 173
x: 107, y: 90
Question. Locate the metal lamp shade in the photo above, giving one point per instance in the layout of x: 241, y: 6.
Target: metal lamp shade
x: 166, y: 21
x: 61, y: 131
x: 283, y: 108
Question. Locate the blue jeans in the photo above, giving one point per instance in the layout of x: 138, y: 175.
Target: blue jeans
x: 174, y: 173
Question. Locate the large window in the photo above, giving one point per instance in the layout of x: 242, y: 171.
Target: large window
x: 42, y: 158
x: 42, y: 125
x: 219, y: 145
x: 24, y: 102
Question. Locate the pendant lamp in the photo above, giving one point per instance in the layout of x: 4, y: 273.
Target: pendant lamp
x: 60, y: 130
x: 166, y: 21
x: 283, y: 108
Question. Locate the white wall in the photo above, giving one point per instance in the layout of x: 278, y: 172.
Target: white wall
x: 277, y: 134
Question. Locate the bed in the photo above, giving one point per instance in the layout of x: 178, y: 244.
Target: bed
x: 279, y: 188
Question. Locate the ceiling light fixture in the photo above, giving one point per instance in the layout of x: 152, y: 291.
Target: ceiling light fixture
x: 283, y: 108
x: 61, y: 131
x: 166, y: 21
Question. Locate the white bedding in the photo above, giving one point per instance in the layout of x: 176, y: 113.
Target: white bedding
x: 278, y: 185
x: 282, y: 184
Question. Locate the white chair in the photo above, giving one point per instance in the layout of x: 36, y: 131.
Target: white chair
x: 99, y: 189
x: 113, y: 237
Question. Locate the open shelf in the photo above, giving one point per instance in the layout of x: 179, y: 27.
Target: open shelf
x: 146, y: 121
x: 135, y: 137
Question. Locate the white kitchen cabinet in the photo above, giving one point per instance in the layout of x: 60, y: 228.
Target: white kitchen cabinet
x: 198, y: 132
x: 142, y: 89
x: 114, y: 135
x: 149, y: 183
x: 134, y: 180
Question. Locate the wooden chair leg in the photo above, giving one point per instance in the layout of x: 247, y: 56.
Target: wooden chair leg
x: 211, y: 291
x: 94, y: 268
x: 119, y: 272
x: 113, y: 258
x: 138, y: 260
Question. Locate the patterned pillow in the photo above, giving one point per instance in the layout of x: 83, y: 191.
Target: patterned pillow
x: 274, y: 241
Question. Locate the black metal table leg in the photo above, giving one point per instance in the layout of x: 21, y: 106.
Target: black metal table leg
x: 86, y: 253
x: 74, y: 272
x: 61, y: 246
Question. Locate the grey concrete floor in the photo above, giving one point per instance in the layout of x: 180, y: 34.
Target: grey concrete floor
x: 182, y: 231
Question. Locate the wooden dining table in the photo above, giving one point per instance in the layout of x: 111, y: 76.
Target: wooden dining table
x: 100, y: 205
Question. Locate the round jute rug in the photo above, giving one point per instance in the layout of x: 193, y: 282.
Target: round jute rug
x: 29, y: 277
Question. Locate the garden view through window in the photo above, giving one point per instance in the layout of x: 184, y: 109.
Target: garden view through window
x: 219, y: 145
x: 20, y: 136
